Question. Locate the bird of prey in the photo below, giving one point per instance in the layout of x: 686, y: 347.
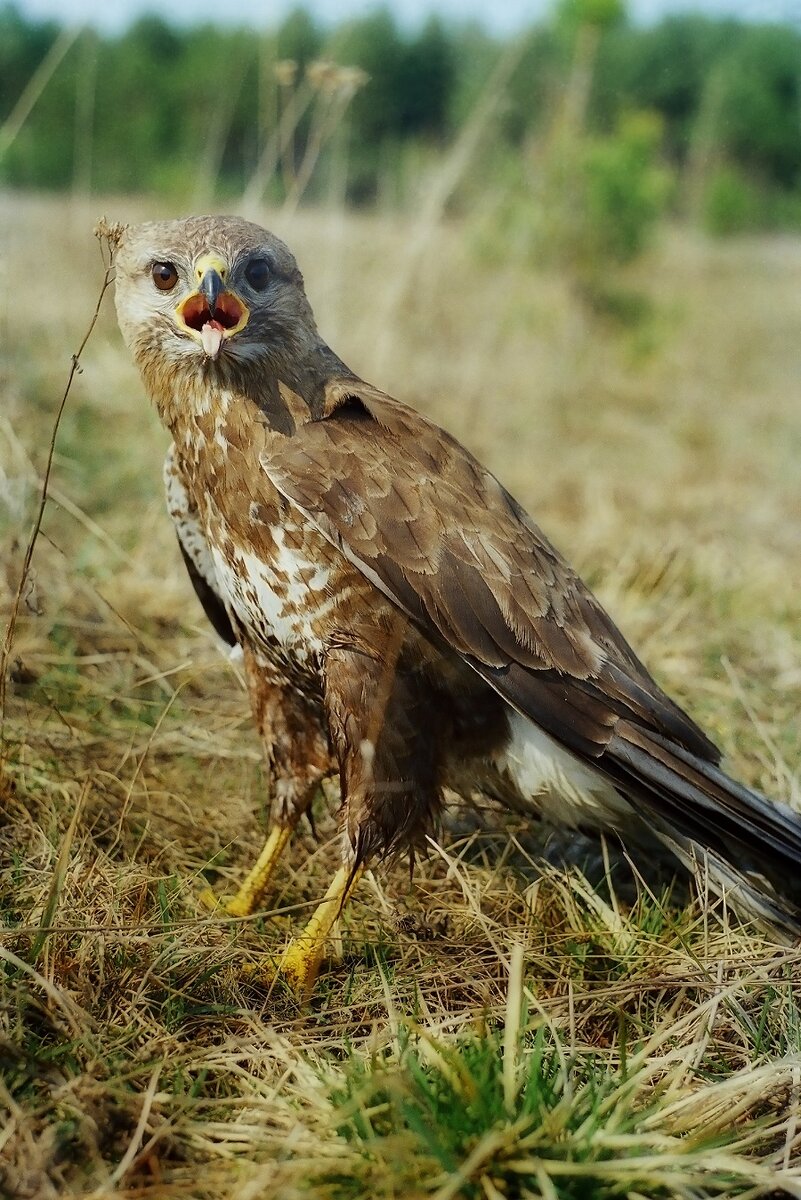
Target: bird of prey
x: 402, y: 619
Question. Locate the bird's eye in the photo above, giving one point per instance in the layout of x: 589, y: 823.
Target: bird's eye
x: 165, y: 276
x: 257, y: 273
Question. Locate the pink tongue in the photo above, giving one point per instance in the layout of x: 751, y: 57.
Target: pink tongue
x: 211, y: 336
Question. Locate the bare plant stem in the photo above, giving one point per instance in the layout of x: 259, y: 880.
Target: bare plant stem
x: 432, y: 208
x: 36, y: 85
x: 75, y: 367
x: 276, y: 148
x: 327, y: 118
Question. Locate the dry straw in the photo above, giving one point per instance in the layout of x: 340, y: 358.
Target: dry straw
x: 498, y: 1028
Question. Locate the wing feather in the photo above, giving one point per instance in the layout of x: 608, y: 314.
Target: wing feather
x: 440, y: 536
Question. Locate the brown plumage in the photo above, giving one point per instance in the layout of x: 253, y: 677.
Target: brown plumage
x: 403, y: 620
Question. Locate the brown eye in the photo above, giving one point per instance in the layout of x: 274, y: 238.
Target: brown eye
x: 165, y: 276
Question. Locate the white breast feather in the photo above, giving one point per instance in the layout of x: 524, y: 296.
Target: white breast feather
x: 273, y: 598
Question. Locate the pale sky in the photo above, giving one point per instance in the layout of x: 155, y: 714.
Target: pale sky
x: 501, y: 16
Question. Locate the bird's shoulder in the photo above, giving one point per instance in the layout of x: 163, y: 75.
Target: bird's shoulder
x: 408, y: 500
x: 438, y: 534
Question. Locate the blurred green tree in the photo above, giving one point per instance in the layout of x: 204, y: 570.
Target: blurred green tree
x: 299, y: 38
x: 23, y: 46
x: 191, y: 111
x: 661, y: 69
x: 425, y: 82
x: 760, y: 108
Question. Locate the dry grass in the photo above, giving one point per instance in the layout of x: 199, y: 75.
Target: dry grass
x: 508, y: 1037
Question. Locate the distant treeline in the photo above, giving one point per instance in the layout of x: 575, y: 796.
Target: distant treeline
x: 199, y: 111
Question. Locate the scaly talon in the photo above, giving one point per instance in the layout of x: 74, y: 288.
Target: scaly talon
x: 300, y: 962
x: 209, y: 899
x: 257, y: 880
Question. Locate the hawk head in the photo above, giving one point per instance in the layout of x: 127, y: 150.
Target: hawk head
x: 211, y: 294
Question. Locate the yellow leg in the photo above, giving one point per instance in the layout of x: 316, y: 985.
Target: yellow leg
x: 248, y: 897
x: 300, y: 963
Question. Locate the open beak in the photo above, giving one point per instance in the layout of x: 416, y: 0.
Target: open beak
x: 212, y: 314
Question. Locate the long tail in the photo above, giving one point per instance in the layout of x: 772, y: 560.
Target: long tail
x: 751, y: 846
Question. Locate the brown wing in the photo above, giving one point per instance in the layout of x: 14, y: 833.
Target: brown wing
x: 438, y: 535
x: 436, y: 532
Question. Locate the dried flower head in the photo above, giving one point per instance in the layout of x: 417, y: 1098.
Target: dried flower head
x: 322, y: 75
x: 110, y: 232
x: 351, y: 80
x: 286, y: 71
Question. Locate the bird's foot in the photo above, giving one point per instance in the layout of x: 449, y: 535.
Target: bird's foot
x: 298, y: 967
x: 251, y: 893
x: 210, y: 900
x: 300, y: 963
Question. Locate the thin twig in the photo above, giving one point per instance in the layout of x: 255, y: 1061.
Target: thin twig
x: 276, y: 147
x: 111, y: 237
x: 445, y: 181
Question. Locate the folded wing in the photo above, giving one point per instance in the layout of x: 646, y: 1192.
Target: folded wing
x: 439, y: 535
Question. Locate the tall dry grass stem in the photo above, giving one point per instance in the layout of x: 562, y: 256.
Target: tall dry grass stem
x: 276, y: 147
x: 35, y: 86
x: 438, y: 192
x: 108, y: 237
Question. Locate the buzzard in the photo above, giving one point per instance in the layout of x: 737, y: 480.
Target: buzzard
x: 402, y: 619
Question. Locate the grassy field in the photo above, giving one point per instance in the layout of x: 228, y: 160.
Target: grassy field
x: 496, y: 1028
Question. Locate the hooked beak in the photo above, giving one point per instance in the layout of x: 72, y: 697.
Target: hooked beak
x: 212, y: 287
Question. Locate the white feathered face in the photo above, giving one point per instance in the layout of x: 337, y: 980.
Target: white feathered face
x: 208, y: 290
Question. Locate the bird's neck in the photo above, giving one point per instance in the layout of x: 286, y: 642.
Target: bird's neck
x: 280, y: 395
